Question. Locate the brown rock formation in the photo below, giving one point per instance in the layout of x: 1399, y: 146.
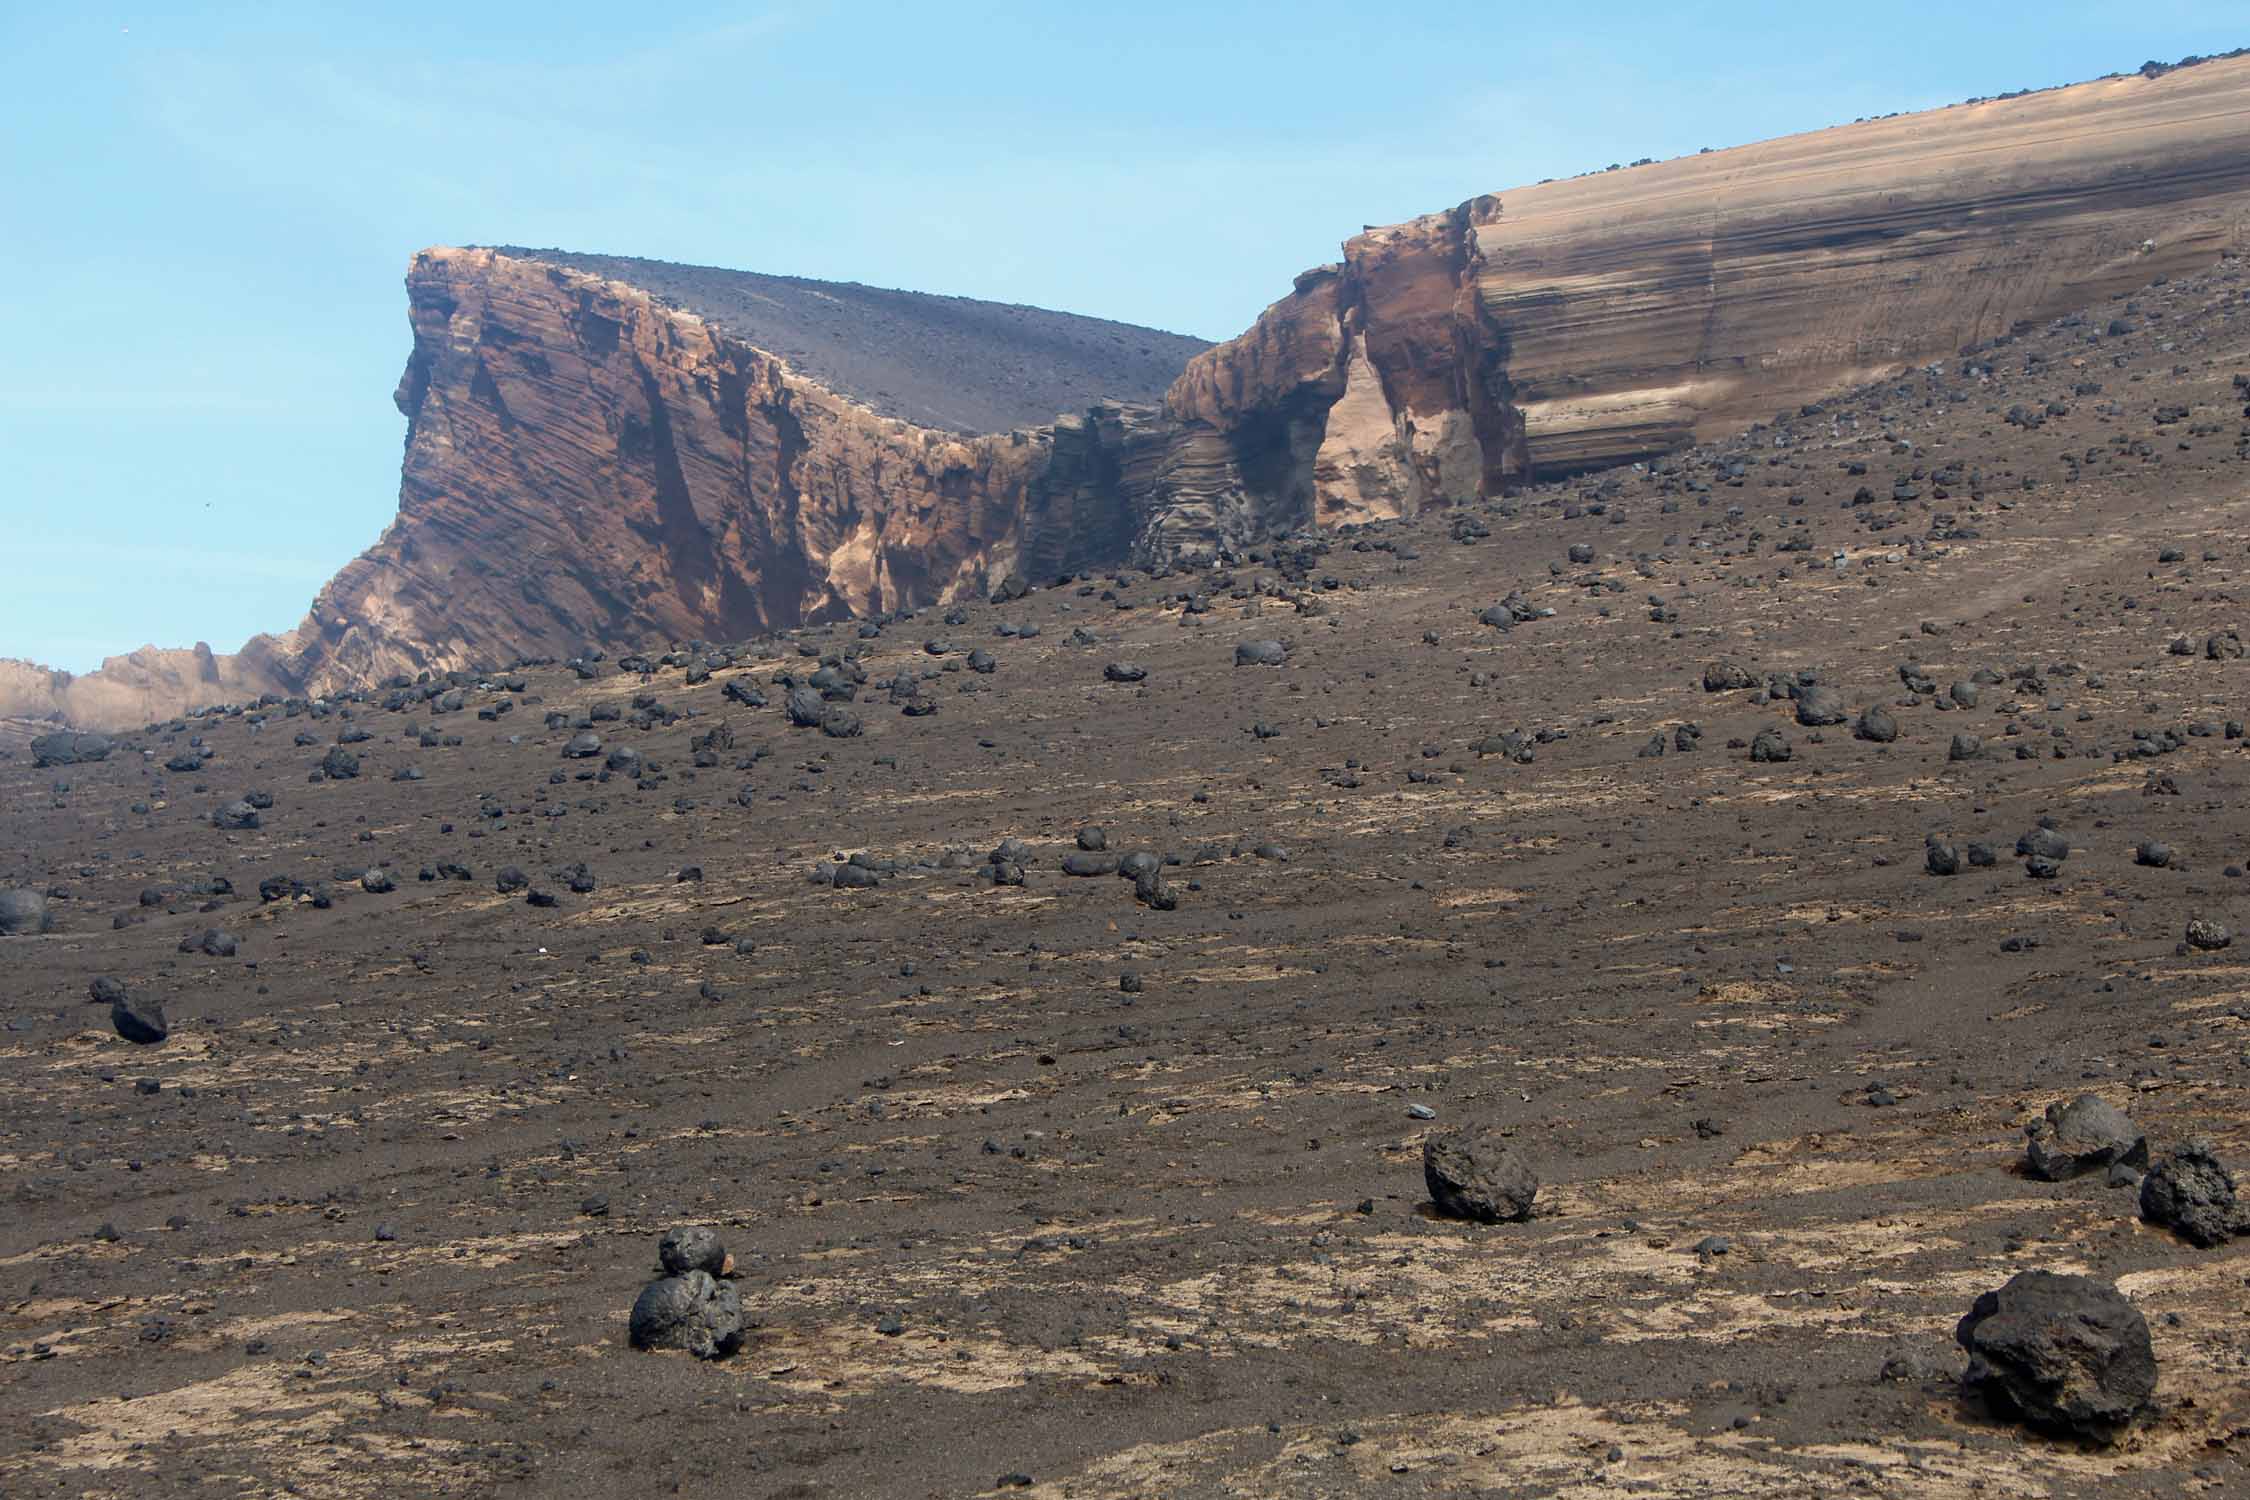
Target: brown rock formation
x: 136, y: 688
x: 585, y: 464
x: 595, y: 461
x: 1617, y: 316
x: 1377, y: 388
x: 953, y: 364
x: 1650, y: 307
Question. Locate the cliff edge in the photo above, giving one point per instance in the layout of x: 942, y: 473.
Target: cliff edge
x: 610, y: 451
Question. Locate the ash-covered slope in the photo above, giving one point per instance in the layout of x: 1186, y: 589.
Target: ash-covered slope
x: 1649, y: 308
x: 950, y: 363
x: 1133, y: 1188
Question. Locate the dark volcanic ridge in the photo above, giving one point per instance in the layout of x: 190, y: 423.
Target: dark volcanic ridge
x: 946, y: 362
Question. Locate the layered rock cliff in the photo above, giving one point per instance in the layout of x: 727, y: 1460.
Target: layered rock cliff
x: 588, y: 464
x: 953, y: 364
x: 1378, y: 387
x: 1649, y: 307
x: 1617, y: 316
x: 610, y: 451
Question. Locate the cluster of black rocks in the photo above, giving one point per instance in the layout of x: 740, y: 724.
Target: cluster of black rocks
x: 1008, y: 861
x: 2063, y: 1353
x: 2071, y: 1354
x: 690, y: 1306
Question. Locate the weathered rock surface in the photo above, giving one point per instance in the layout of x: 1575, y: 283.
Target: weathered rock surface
x: 64, y: 748
x: 24, y: 913
x: 133, y: 689
x: 1477, y: 1178
x: 693, y: 1249
x: 2086, y: 1135
x: 587, y: 462
x: 595, y: 460
x: 690, y: 1311
x: 950, y: 364
x: 2192, y: 1193
x: 139, y: 1019
x: 2066, y: 1353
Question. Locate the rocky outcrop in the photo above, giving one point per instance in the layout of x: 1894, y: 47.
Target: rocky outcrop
x: 1379, y: 387
x: 591, y: 462
x: 615, y: 452
x: 588, y: 465
x: 953, y: 364
x: 144, y: 685
x: 1675, y: 302
x: 1614, y: 317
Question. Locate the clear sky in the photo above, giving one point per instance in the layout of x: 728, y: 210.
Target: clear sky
x: 206, y: 210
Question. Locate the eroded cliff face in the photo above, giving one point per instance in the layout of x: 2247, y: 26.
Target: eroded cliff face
x: 1608, y: 319
x: 588, y: 463
x: 1647, y: 308
x: 136, y: 688
x: 586, y: 466
x: 1379, y: 387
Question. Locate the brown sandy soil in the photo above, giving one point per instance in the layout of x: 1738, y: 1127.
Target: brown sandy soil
x: 1175, y: 1242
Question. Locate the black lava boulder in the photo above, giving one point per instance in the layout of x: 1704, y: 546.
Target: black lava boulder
x: 695, y: 1248
x: 1820, y: 704
x: 1477, y: 1178
x: 1727, y: 677
x: 1260, y: 654
x: 65, y: 748
x: 24, y: 914
x: 2207, y: 935
x: 2192, y: 1194
x: 2086, y: 1135
x: 2065, y: 1353
x: 139, y: 1021
x: 693, y: 1311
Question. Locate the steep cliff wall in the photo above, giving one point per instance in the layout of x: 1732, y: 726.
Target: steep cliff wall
x: 1609, y: 318
x: 594, y: 461
x: 1378, y: 387
x: 954, y: 364
x: 587, y: 465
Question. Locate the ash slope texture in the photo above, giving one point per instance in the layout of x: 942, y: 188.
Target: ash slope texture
x: 997, y: 1214
x: 1688, y: 299
x: 946, y: 363
x: 588, y: 462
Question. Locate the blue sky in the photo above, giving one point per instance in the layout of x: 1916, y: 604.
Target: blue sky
x: 206, y: 210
